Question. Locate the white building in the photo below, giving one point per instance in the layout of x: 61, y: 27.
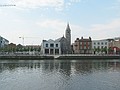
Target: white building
x: 50, y: 47
x: 99, y: 45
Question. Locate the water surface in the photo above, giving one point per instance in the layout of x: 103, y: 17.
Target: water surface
x: 60, y: 75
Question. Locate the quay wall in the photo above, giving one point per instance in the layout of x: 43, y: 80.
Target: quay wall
x: 26, y: 57
x: 59, y: 57
x: 89, y: 57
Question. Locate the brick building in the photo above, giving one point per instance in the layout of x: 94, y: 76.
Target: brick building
x: 82, y: 46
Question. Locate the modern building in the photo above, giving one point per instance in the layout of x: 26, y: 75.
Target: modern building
x: 100, y: 46
x: 3, y: 42
x: 82, y: 46
x: 50, y: 47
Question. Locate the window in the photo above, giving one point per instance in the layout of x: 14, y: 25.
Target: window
x: 101, y: 43
x: 80, y: 43
x: 84, y: 43
x: 98, y: 43
x: 105, y: 43
x: 85, y: 47
x: 46, y: 51
x: 80, y: 47
x: 56, y: 51
x: 99, y: 47
x: 46, y: 45
x: 94, y: 43
x: 56, y: 45
x: 102, y: 47
x: 52, y: 45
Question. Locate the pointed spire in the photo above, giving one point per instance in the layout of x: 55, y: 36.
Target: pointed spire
x: 68, y: 27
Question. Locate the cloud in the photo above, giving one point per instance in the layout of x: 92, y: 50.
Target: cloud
x: 57, y: 29
x: 58, y: 5
x: 38, y: 3
x: 111, y: 29
x: 113, y: 25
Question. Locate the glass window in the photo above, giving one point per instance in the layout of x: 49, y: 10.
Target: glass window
x: 105, y: 43
x: 51, y: 45
x: 84, y: 47
x: 99, y: 47
x: 101, y: 43
x: 94, y: 43
x: 98, y: 43
x: 46, y: 45
x: 80, y: 43
x: 56, y: 45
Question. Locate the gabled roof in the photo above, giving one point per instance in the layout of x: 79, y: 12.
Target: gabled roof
x: 50, y: 40
x: 59, y: 39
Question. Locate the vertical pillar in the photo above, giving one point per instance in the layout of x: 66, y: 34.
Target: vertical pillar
x: 49, y: 51
x: 54, y: 51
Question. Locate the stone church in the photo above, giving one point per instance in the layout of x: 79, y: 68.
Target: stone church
x: 65, y: 42
x: 61, y: 45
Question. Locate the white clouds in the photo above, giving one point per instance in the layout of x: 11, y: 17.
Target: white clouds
x: 111, y: 29
x: 51, y: 3
x: 58, y: 5
x: 113, y: 25
x: 39, y: 3
x: 57, y: 29
x: 52, y: 28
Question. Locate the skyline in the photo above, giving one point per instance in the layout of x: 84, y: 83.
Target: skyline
x: 47, y: 19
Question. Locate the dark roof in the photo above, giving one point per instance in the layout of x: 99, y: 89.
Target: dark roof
x: 59, y: 39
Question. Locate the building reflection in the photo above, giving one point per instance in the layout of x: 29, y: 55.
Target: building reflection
x: 64, y: 67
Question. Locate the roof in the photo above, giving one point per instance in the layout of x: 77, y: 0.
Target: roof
x: 59, y: 39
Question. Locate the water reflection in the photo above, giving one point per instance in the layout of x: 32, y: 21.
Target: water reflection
x: 60, y: 75
x: 65, y: 67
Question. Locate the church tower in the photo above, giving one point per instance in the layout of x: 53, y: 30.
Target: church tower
x: 68, y: 37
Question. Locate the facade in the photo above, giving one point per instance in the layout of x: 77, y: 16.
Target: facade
x: 100, y: 46
x: 50, y: 47
x: 63, y: 45
x: 114, y: 45
x: 82, y: 46
x: 3, y: 42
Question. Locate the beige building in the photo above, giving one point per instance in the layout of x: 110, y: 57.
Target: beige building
x: 115, y: 43
x: 114, y: 46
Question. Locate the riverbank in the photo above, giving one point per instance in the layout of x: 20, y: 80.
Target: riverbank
x: 59, y: 57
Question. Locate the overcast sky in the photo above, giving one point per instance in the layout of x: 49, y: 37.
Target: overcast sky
x: 47, y: 19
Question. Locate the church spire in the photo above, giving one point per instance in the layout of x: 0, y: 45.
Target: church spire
x: 68, y: 27
x: 68, y: 36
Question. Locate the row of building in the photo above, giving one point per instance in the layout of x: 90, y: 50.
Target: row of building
x: 63, y: 45
x: 81, y: 45
x: 89, y: 46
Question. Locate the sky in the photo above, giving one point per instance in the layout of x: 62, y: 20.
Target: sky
x: 36, y: 20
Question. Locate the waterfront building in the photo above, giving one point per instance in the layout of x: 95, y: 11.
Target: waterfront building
x: 50, y: 47
x: 63, y: 44
x: 114, y: 46
x: 100, y: 46
x: 82, y: 46
x: 3, y: 42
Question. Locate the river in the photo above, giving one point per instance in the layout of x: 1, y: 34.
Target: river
x: 59, y: 74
